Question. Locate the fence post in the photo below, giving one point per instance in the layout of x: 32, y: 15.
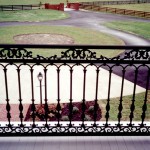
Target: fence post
x: 99, y: 8
x: 106, y: 9
x: 61, y: 6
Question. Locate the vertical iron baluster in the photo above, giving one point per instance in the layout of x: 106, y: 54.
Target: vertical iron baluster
x: 58, y: 108
x: 133, y: 99
x: 8, y: 107
x: 120, y: 107
x: 83, y: 101
x: 33, y: 105
x: 108, y: 99
x: 70, y: 105
x: 41, y: 93
x: 144, y: 108
x: 20, y: 99
x: 96, y: 96
x: 46, y: 105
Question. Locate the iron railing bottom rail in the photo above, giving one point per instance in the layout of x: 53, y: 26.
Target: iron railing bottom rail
x: 77, y: 129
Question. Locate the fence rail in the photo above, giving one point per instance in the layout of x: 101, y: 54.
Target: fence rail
x: 97, y: 3
x: 49, y: 86
x: 18, y: 7
x: 116, y: 10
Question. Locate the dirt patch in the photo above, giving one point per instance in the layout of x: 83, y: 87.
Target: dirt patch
x: 40, y: 38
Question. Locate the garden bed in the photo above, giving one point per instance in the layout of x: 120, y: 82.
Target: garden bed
x: 65, y: 112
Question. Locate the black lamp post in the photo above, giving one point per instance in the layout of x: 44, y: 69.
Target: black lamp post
x: 40, y: 77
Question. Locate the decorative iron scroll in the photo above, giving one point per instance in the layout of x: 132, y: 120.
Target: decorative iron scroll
x: 15, y: 53
x: 55, y: 57
x: 78, y: 54
x: 138, y: 54
x: 77, y: 130
x: 74, y: 54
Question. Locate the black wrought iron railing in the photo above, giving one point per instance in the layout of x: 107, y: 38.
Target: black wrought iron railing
x: 18, y: 7
x: 76, y: 92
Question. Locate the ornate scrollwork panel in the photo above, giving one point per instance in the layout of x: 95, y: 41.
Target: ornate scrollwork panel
x: 15, y: 53
x: 78, y: 54
x: 141, y: 54
x: 74, y: 54
x: 99, y: 130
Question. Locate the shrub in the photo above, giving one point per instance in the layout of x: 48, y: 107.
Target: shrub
x: 75, y: 109
x: 87, y: 118
x: 65, y: 118
x: 91, y: 109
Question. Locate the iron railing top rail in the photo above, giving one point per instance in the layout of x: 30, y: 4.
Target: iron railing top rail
x: 74, y: 54
x: 73, y: 46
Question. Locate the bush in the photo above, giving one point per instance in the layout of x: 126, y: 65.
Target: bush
x: 75, y: 109
x: 87, y: 118
x: 91, y: 109
x: 65, y: 118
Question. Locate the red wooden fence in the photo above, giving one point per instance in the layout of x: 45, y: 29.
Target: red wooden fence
x: 74, y: 6
x: 55, y: 6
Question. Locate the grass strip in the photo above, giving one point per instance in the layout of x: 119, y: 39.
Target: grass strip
x: 139, y: 28
x: 137, y: 7
x: 79, y: 35
x: 23, y: 2
x: 32, y: 15
x: 127, y: 101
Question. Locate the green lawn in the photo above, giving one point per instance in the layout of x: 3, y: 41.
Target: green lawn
x: 80, y: 36
x: 138, y: 28
x: 14, y: 2
x: 32, y: 15
x: 138, y: 7
x: 127, y: 101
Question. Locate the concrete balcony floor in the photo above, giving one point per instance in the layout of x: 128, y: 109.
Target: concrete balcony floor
x: 76, y: 143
